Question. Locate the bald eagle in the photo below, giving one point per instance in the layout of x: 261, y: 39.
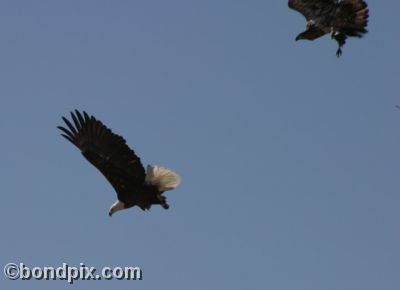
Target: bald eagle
x: 110, y: 154
x: 339, y: 18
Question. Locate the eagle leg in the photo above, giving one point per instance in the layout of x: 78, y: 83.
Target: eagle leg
x: 163, y: 202
x: 339, y: 52
x: 341, y: 40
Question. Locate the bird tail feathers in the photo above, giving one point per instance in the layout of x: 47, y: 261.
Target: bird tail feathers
x: 353, y: 17
x: 161, y: 177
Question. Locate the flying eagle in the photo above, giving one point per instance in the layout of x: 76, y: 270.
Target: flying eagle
x: 339, y: 18
x: 119, y: 164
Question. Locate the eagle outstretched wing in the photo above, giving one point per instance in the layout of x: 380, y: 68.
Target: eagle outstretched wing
x: 107, y: 151
x: 313, y: 9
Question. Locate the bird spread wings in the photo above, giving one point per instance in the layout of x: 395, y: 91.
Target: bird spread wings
x: 106, y: 151
x: 342, y: 19
x: 313, y: 9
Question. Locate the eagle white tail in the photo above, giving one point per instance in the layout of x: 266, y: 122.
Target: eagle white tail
x: 161, y: 177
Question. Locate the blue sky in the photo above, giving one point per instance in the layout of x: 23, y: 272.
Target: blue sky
x: 289, y: 157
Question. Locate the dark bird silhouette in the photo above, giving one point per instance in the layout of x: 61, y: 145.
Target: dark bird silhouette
x: 110, y: 154
x: 340, y: 19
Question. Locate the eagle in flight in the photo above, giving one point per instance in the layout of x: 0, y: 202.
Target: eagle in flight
x: 339, y: 18
x: 110, y: 154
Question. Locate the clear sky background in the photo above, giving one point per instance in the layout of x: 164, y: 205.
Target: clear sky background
x: 289, y: 157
